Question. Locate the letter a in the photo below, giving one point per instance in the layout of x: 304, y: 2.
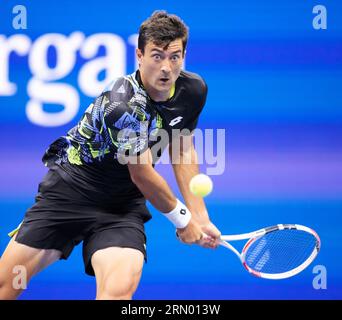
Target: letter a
x: 20, y: 20
x: 320, y: 21
x: 320, y: 281
x: 20, y: 280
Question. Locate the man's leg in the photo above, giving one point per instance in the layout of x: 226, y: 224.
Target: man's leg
x: 32, y: 259
x: 117, y: 271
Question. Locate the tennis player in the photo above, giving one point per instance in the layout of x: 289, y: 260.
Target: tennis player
x: 90, y: 194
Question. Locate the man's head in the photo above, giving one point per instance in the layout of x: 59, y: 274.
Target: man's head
x: 161, y: 49
x: 161, y: 29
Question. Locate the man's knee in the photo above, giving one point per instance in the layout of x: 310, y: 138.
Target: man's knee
x: 7, y: 292
x: 116, y: 288
x: 114, y: 293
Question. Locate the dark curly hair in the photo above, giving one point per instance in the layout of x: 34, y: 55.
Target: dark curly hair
x: 162, y: 28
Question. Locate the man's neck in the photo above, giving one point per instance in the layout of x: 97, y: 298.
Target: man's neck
x: 157, y: 96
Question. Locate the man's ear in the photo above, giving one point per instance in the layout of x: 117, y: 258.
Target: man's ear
x: 139, y: 54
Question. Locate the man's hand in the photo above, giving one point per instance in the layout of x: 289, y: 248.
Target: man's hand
x: 191, y: 234
x: 212, y: 236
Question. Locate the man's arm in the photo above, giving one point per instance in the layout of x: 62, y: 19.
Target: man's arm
x: 185, y: 166
x: 156, y: 190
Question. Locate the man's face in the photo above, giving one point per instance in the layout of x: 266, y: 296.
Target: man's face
x: 159, y: 68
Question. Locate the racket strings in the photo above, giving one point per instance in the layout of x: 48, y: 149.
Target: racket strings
x: 280, y: 251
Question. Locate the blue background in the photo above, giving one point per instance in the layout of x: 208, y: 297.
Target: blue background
x: 274, y: 86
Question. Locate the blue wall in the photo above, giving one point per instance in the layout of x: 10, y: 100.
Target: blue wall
x: 274, y: 86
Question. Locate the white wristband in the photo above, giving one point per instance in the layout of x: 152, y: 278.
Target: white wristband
x: 179, y: 216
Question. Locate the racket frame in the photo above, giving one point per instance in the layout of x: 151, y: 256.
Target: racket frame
x: 255, y: 235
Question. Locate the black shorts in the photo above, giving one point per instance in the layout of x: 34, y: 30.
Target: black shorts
x: 61, y: 218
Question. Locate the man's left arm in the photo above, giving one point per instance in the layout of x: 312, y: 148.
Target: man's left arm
x: 184, y: 161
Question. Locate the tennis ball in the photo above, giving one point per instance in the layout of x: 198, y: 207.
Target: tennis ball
x: 201, y: 185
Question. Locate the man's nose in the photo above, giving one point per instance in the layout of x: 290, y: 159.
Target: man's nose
x: 166, y: 68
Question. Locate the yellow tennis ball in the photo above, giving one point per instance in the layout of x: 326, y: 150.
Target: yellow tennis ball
x: 201, y: 185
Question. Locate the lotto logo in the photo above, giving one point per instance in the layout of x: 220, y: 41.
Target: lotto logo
x: 174, y: 121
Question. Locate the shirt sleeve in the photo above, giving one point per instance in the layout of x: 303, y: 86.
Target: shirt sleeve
x: 127, y: 126
x: 200, y: 94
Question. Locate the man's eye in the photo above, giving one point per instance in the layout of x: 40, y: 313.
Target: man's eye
x: 174, y: 58
x: 157, y: 56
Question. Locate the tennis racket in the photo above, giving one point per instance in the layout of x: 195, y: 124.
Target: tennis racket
x: 276, y: 252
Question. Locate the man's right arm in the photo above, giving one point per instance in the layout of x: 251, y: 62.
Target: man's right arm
x: 127, y: 130
x: 156, y: 190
